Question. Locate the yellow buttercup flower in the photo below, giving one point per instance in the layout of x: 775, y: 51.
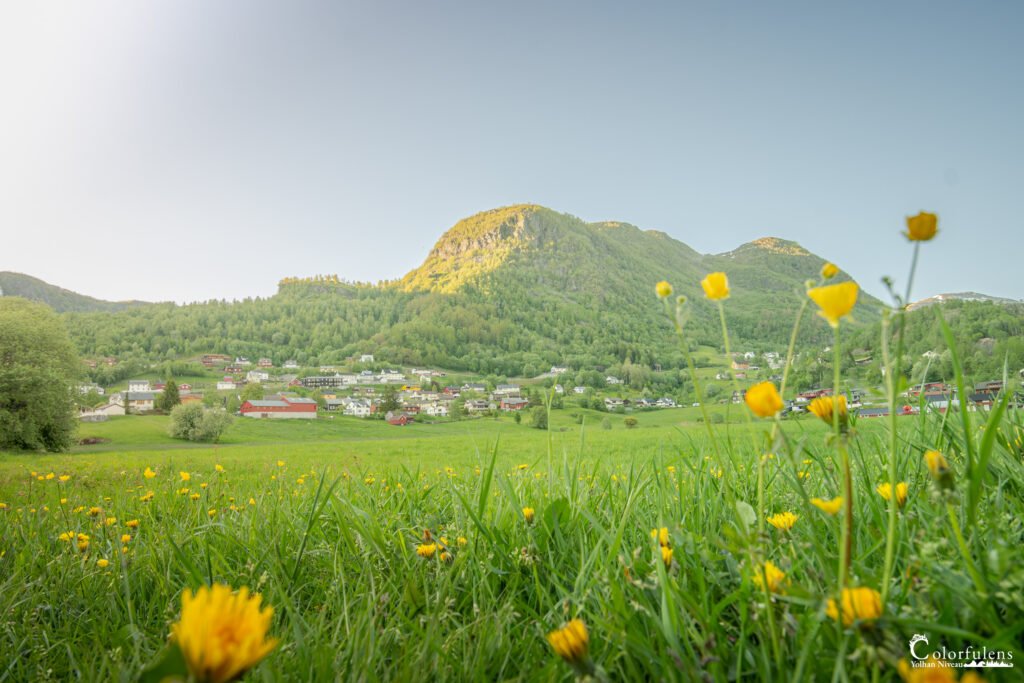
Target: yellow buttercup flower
x: 716, y: 286
x: 830, y: 507
x: 864, y: 604
x: 885, y: 491
x: 222, y: 634
x: 774, y: 576
x: 64, y: 478
x: 125, y: 538
x: 661, y: 535
x: 528, y: 515
x: 922, y: 227
x: 666, y: 556
x: 185, y: 476
x: 95, y: 511
x: 763, y: 399
x: 663, y: 290
x: 132, y: 524
x: 824, y: 405
x: 426, y: 549
x: 834, y: 301
x: 219, y: 468
x: 571, y: 643
x: 102, y: 564
x: 149, y: 473
x: 829, y: 271
x: 783, y: 521
x: 937, y: 671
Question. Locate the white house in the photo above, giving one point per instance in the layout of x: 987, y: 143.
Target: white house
x: 612, y: 403
x: 366, y: 358
x: 242, y: 361
x: 139, y: 385
x: 391, y: 377
x: 114, y: 407
x: 579, y: 390
x: 559, y: 389
x: 435, y: 410
x: 612, y: 379
x: 558, y: 369
x: 358, y: 408
x: 506, y: 390
x: 86, y: 388
x: 257, y: 376
x: 226, y: 384
x: 291, y: 365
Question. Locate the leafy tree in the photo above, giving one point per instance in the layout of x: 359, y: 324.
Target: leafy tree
x: 253, y: 391
x: 193, y: 422
x: 539, y: 417
x: 389, y: 400
x: 38, y: 370
x: 170, y: 396
x: 630, y: 422
x: 517, y: 417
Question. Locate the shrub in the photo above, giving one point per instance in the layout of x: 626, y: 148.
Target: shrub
x: 193, y: 422
x: 606, y: 423
x: 630, y: 422
x: 539, y: 417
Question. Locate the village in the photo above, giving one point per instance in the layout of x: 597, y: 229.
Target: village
x: 401, y: 396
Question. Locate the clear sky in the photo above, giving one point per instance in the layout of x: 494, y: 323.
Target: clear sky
x: 187, y: 149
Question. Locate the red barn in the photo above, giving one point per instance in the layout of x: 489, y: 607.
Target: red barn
x: 282, y: 408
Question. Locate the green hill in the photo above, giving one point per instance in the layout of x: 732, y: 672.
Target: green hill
x: 510, y: 291
x: 58, y: 298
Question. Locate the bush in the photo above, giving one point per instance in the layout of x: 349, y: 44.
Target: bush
x: 539, y: 417
x: 630, y: 422
x: 193, y: 422
x: 717, y: 418
x: 606, y: 423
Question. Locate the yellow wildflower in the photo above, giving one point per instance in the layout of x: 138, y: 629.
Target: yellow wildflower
x: 773, y: 575
x: 783, y: 521
x: 862, y: 603
x: 835, y: 301
x: 149, y: 473
x: 461, y: 540
x: 426, y: 549
x: 922, y: 227
x: 571, y: 643
x: 219, y: 468
x: 185, y: 476
x: 222, y: 634
x: 212, y: 512
x: 885, y: 491
x: 939, y: 469
x: 716, y: 286
x: 132, y: 524
x: 195, y: 496
x: 125, y: 538
x: 824, y: 405
x: 663, y: 290
x: 829, y: 507
x: 95, y: 511
x: 829, y: 271
x: 763, y: 399
x: 102, y: 563
x: 64, y: 477
x: 528, y: 515
x: 661, y: 535
x: 666, y: 556
x: 280, y: 463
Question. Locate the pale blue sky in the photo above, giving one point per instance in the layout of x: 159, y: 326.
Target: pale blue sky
x: 184, y: 149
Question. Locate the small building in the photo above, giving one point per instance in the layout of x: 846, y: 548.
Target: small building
x: 265, y: 363
x: 90, y: 387
x: 435, y: 410
x: 475, y: 386
x: 257, y: 376
x: 139, y: 385
x: 226, y: 384
x: 611, y: 403
x: 612, y: 380
x: 291, y: 364
x: 558, y: 369
x: 358, y: 408
x: 140, y: 401
x: 366, y: 358
x: 506, y: 390
x: 398, y: 419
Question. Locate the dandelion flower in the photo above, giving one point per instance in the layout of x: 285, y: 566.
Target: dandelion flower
x: 835, y: 301
x: 125, y: 538
x: 149, y: 473
x: 528, y: 515
x: 219, y: 468
x: 922, y: 227
x: 862, y: 603
x: 222, y: 634
x: 716, y: 286
x: 102, y: 563
x: 571, y: 642
x: 829, y: 507
x: 663, y: 290
x: 783, y: 521
x: 666, y: 556
x: 280, y: 463
x: 461, y: 540
x: 64, y: 478
x: 763, y: 399
x: 185, y: 476
x: 426, y: 549
x: 95, y: 511
x: 885, y: 491
x: 829, y: 271
x: 132, y: 524
x: 771, y: 576
x: 938, y: 467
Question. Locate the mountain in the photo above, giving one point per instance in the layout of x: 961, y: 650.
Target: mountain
x: 961, y: 296
x: 508, y: 291
x: 58, y: 298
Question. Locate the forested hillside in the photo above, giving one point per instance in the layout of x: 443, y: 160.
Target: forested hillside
x: 509, y: 291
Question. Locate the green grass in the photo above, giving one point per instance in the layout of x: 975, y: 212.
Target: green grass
x: 356, y: 601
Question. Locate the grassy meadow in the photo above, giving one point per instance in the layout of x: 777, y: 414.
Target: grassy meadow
x: 324, y: 520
